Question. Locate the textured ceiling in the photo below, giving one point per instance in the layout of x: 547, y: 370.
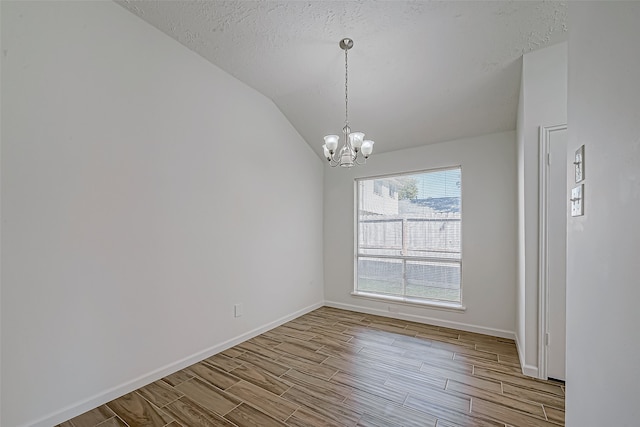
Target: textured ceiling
x: 419, y: 72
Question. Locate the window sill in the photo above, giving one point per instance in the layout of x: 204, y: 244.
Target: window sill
x: 438, y: 305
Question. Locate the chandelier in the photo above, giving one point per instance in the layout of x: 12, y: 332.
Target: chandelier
x: 355, y: 146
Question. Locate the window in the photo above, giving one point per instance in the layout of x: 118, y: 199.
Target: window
x: 409, y: 243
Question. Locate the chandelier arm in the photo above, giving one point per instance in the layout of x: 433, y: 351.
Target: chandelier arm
x: 359, y: 163
x: 333, y: 162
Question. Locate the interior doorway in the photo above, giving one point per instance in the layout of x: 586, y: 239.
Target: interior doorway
x: 554, y: 204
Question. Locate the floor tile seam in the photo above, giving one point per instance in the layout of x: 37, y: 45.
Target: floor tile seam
x: 312, y: 407
x: 497, y: 371
x: 334, y: 374
x: 502, y: 369
x: 350, y: 391
x: 350, y: 337
x: 153, y: 405
x: 233, y: 357
x: 427, y: 365
x: 72, y: 424
x: 143, y: 398
x: 169, y: 385
x: 514, y: 384
x: 453, y: 375
x: 169, y: 403
x: 395, y: 404
x: 254, y: 406
x: 289, y: 369
x: 173, y: 421
x: 405, y: 399
x: 195, y: 375
x: 451, y: 393
x: 266, y: 391
x: 243, y: 363
x: 491, y: 352
x: 211, y: 365
x: 257, y: 385
x: 477, y: 357
x: 474, y: 415
x: 524, y: 386
x: 379, y: 417
x: 555, y: 423
x: 494, y: 418
x: 290, y: 415
x: 281, y: 394
x: 344, y: 401
x: 326, y: 380
x: 529, y: 402
x: 113, y: 415
x: 520, y: 412
x: 446, y: 408
x: 275, y: 349
x: 206, y: 408
x: 105, y: 421
x: 354, y: 389
x: 421, y: 383
x: 430, y: 344
x: 225, y: 414
x: 525, y: 400
x: 554, y: 407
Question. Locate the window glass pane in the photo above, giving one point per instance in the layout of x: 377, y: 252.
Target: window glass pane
x: 412, y: 223
x: 433, y: 237
x: 380, y: 235
x: 380, y: 275
x: 433, y: 280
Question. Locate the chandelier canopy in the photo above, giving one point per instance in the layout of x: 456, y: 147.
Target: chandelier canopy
x: 356, y: 150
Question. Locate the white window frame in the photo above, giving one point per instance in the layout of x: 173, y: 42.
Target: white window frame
x: 404, y: 300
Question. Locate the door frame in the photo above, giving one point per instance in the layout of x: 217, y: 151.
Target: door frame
x: 543, y: 242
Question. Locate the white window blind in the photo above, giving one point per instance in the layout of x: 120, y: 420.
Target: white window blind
x: 409, y: 236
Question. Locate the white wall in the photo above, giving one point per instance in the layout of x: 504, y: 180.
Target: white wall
x: 603, y: 289
x: 488, y: 230
x: 543, y: 102
x: 143, y: 194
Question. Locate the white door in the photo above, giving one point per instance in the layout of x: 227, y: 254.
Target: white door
x: 558, y: 205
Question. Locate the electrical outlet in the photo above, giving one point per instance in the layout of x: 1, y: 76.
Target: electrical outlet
x: 237, y: 310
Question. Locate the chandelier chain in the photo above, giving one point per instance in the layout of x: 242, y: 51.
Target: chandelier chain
x: 346, y: 93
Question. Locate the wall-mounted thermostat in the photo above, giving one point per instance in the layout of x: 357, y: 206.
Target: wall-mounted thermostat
x: 577, y: 200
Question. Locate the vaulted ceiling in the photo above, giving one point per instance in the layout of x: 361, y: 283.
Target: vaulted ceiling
x: 419, y: 72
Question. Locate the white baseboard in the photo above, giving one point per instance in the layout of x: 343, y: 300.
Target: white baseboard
x: 528, y: 370
x: 119, y: 390
x: 424, y: 319
x: 520, y: 351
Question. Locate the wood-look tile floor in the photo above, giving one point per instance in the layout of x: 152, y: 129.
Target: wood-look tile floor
x: 339, y: 368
